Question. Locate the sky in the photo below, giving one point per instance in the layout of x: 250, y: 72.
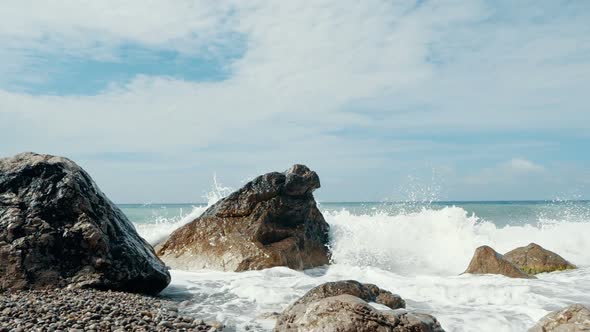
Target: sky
x: 384, y: 99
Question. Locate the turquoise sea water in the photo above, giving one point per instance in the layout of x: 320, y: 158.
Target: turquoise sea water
x: 501, y: 213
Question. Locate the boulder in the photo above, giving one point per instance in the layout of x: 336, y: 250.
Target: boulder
x: 487, y: 261
x: 366, y: 292
x: 342, y: 306
x: 272, y: 221
x: 58, y: 229
x: 575, y: 318
x: 534, y: 259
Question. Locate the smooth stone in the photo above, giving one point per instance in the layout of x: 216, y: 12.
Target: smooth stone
x: 575, y: 318
x: 487, y: 261
x: 343, y: 306
x: 534, y: 259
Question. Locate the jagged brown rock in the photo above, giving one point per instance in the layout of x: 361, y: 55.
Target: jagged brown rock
x: 342, y: 306
x: 575, y: 318
x: 534, y: 259
x: 58, y: 229
x: 487, y: 261
x: 271, y: 221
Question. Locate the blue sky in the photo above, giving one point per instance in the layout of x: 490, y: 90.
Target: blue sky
x: 385, y: 99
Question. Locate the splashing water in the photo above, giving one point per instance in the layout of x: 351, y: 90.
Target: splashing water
x: 155, y: 223
x: 218, y: 191
x: 416, y: 250
x: 418, y: 254
x: 441, y: 242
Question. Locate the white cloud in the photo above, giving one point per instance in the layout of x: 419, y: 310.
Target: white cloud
x: 308, y: 69
x: 302, y: 64
x: 91, y: 27
x: 519, y: 165
x: 512, y: 172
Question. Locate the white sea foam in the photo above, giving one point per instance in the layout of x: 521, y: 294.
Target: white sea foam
x: 160, y: 228
x: 418, y: 255
x: 441, y: 242
x: 461, y: 303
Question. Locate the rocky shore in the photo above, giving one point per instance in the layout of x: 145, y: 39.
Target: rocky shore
x: 92, y: 310
x: 70, y: 260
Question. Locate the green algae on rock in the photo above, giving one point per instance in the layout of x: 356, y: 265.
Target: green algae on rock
x: 534, y: 259
x: 487, y: 261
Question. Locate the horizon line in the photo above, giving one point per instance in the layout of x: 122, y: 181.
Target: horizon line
x: 397, y: 202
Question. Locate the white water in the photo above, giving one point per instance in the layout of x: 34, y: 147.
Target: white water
x: 441, y: 242
x: 417, y: 255
x: 160, y: 228
x: 155, y: 232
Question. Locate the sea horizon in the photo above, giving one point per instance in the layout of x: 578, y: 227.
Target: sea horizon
x: 531, y: 201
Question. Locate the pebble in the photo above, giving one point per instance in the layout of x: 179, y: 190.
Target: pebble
x: 79, y: 310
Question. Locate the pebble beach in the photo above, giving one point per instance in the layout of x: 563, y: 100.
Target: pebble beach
x: 74, y: 310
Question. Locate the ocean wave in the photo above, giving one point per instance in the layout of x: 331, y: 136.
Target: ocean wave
x: 442, y: 241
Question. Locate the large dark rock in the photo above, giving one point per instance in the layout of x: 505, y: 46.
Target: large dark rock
x: 343, y: 306
x: 534, y: 259
x: 271, y: 221
x: 487, y: 261
x: 575, y: 318
x: 58, y: 229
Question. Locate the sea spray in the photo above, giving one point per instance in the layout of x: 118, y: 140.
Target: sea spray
x: 158, y: 227
x: 441, y: 241
x: 415, y: 249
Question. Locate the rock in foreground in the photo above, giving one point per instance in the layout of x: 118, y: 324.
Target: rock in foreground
x: 366, y: 292
x: 342, y: 306
x: 57, y: 229
x: 271, y: 221
x: 534, y: 259
x: 575, y: 318
x: 487, y: 261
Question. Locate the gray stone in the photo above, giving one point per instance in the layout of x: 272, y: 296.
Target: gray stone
x: 366, y: 292
x: 342, y: 306
x: 575, y: 318
x: 58, y: 229
x: 166, y: 324
x: 347, y: 313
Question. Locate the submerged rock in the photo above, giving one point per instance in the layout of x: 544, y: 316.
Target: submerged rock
x: 534, y: 259
x: 575, y: 318
x: 58, y: 229
x: 271, y: 221
x: 487, y: 261
x: 342, y: 306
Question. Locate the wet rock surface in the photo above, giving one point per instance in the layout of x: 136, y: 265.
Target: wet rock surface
x: 92, y: 310
x: 487, y: 261
x: 58, y: 229
x: 342, y: 306
x: 534, y: 259
x: 575, y: 318
x: 366, y: 292
x: 271, y: 221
